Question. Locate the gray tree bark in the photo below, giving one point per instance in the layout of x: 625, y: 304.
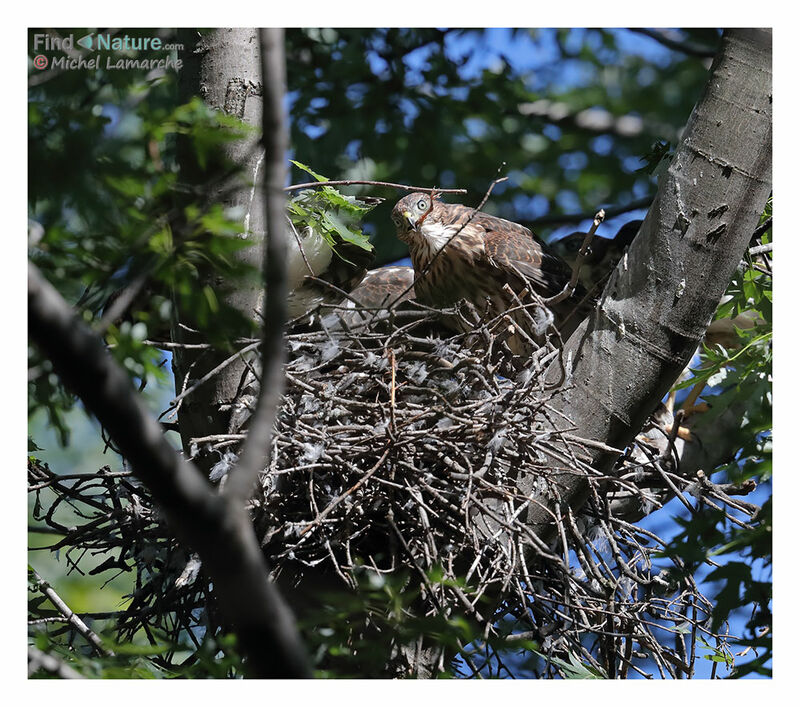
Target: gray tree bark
x: 223, y: 68
x: 661, y: 298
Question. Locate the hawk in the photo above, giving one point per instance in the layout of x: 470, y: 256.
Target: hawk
x: 461, y: 253
x: 603, y: 255
x: 369, y: 300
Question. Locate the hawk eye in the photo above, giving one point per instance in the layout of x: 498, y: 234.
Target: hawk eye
x: 422, y: 204
x: 397, y: 221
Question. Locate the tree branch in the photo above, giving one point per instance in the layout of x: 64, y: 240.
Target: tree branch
x: 218, y: 529
x: 595, y: 120
x: 557, y: 219
x: 39, y: 660
x: 70, y: 616
x: 659, y: 301
x: 690, y: 48
x: 370, y: 182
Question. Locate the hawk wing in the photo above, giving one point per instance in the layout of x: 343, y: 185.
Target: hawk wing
x: 380, y: 287
x: 515, y: 248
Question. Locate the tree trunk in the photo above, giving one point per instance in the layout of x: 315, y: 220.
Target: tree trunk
x: 662, y: 296
x: 223, y: 67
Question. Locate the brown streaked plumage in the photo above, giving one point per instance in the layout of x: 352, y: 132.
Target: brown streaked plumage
x: 370, y: 299
x: 382, y: 286
x: 479, y: 255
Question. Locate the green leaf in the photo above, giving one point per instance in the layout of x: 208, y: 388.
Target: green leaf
x: 345, y: 233
x: 305, y: 168
x: 575, y: 669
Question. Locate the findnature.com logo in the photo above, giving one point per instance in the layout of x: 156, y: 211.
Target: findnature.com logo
x: 70, y: 57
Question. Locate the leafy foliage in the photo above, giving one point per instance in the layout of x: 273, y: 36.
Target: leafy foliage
x: 335, y: 216
x: 111, y: 220
x: 448, y: 107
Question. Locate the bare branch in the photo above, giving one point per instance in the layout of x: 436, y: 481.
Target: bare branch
x: 71, y: 616
x: 369, y: 182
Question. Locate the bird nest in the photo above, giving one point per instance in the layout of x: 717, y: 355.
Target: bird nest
x: 400, y: 446
x: 390, y: 436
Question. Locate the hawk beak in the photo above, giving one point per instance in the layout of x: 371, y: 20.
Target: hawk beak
x: 409, y: 220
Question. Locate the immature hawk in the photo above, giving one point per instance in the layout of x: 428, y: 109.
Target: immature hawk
x: 368, y: 302
x: 603, y: 256
x: 460, y: 253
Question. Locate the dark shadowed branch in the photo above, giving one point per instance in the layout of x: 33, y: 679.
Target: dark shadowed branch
x: 218, y: 529
x: 685, y: 46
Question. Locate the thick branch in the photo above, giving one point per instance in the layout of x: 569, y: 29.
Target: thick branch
x: 223, y: 67
x: 661, y: 298
x: 217, y: 528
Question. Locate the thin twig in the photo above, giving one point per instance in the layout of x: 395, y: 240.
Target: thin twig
x: 569, y: 288
x: 368, y: 182
x: 71, y: 616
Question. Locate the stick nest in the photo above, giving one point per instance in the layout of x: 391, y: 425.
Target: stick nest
x: 399, y: 446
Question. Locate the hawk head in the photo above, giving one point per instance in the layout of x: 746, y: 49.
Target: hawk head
x: 603, y: 255
x: 410, y: 213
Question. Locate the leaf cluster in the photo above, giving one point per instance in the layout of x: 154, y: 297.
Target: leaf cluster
x: 740, y: 374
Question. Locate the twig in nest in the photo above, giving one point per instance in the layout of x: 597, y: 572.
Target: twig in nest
x: 392, y: 398
x: 336, y: 501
